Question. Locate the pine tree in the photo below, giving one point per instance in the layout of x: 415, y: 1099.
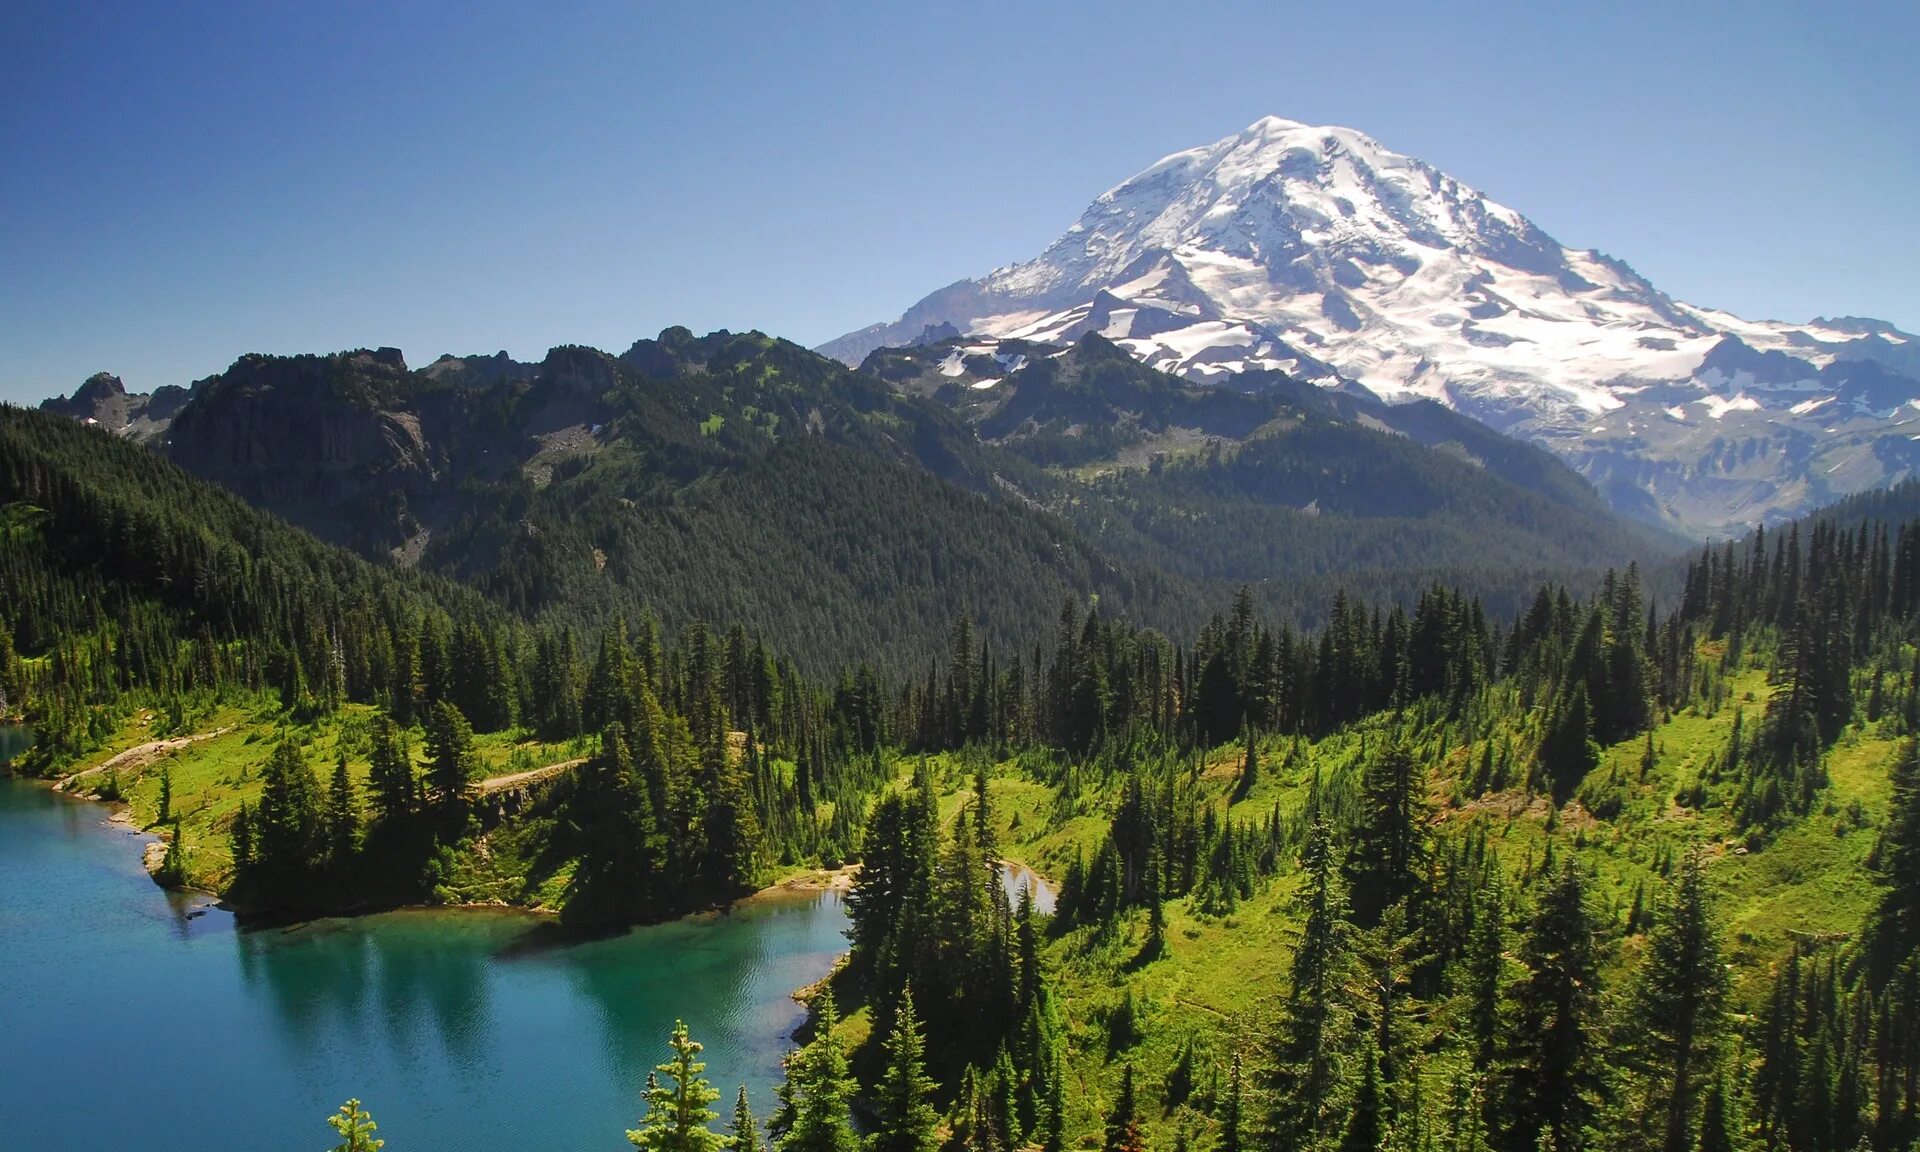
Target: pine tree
x: 286, y: 824
x: 390, y: 777
x: 622, y: 851
x: 903, y: 1102
x: 1123, y: 1119
x: 1677, y: 1000
x: 240, y: 838
x: 815, y: 1101
x: 173, y: 866
x: 677, y: 1115
x: 743, y: 1134
x: 1567, y: 748
x: 1232, y: 1110
x: 1366, y: 1124
x: 355, y: 1128
x: 1896, y: 922
x: 1550, y: 1076
x: 342, y: 820
x: 1716, y: 1127
x: 1316, y: 1014
x: 452, y: 764
x: 1486, y: 967
x: 1387, y: 863
x: 166, y: 795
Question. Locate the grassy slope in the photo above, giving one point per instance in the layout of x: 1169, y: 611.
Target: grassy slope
x: 1220, y: 979
x: 211, y: 777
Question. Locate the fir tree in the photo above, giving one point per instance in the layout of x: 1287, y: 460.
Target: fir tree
x: 1123, y: 1119
x: 287, y: 821
x: 677, y: 1115
x: 390, y: 778
x: 452, y: 764
x: 743, y: 1133
x: 1316, y: 1014
x: 1366, y: 1124
x: 355, y: 1128
x: 1232, y: 1111
x: 1677, y: 1001
x: 1387, y: 863
x: 341, y: 824
x: 903, y: 1103
x: 240, y: 838
x: 1550, y: 1076
x: 1896, y: 922
x: 815, y: 1101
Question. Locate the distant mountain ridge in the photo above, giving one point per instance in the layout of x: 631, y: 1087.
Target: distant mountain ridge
x: 1317, y: 252
x: 837, y: 512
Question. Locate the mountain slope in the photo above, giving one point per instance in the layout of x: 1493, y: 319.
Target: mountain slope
x: 1320, y: 253
x: 842, y: 514
x: 1293, y: 488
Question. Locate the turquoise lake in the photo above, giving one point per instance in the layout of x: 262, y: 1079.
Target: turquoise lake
x: 131, y: 1018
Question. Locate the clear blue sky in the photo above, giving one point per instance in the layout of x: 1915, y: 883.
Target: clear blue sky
x: 184, y: 183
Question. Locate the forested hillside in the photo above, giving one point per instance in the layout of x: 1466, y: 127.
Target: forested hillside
x: 849, y: 516
x: 1592, y: 874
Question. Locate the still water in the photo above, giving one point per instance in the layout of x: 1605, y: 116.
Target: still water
x: 132, y: 1018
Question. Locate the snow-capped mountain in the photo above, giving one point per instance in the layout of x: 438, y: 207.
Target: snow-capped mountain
x: 1320, y: 253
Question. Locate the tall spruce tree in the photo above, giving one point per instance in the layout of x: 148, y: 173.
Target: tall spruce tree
x: 452, y: 764
x: 1549, y: 1077
x: 903, y: 1101
x: 743, y: 1133
x: 1677, y: 1002
x: 286, y: 823
x: 390, y: 779
x: 678, y: 1114
x: 342, y: 821
x: 1388, y: 860
x: 815, y: 1113
x: 1316, y: 1017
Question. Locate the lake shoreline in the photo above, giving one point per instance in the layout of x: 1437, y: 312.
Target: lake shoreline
x: 804, y: 884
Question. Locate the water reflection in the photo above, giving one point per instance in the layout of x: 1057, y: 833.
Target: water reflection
x: 405, y: 979
x: 14, y: 739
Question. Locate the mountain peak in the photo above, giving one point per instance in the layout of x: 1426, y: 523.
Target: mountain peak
x: 1318, y: 252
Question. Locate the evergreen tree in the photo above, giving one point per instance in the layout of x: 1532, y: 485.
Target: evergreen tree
x: 1316, y: 1015
x: 1123, y: 1119
x: 452, y: 764
x: 815, y: 1101
x: 743, y: 1134
x: 342, y: 821
x: 1896, y: 922
x: 1388, y: 860
x: 1486, y: 964
x: 1677, y: 1002
x: 1550, y: 1080
x: 622, y: 851
x: 166, y: 795
x: 355, y: 1128
x: 1232, y: 1111
x: 677, y: 1115
x: 1567, y: 748
x: 1366, y: 1124
x: 286, y: 824
x: 240, y: 838
x: 390, y: 779
x: 1716, y: 1126
x: 903, y: 1103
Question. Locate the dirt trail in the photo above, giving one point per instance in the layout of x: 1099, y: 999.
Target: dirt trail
x: 141, y: 755
x: 531, y: 776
